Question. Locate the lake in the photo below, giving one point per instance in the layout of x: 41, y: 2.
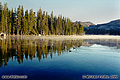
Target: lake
x: 60, y: 59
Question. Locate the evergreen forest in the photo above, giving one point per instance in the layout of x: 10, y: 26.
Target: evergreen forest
x: 19, y: 22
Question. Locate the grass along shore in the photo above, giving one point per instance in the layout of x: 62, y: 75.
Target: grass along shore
x: 60, y: 37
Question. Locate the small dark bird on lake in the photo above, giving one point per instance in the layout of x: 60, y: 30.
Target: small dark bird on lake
x: 74, y: 47
x: 70, y: 51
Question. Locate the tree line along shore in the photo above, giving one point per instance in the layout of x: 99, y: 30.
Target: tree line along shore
x: 28, y: 22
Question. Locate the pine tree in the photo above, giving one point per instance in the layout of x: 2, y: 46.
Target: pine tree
x: 81, y: 29
x: 5, y: 16
x: 0, y: 10
x: 51, y: 25
x: 22, y: 12
x: 63, y: 26
x: 9, y: 22
x: 56, y: 25
x: 14, y: 21
x: 35, y: 23
x: 39, y: 26
x: 31, y: 21
x: 24, y: 25
x: 43, y: 24
x: 0, y: 16
x: 73, y: 30
x: 66, y: 28
x: 39, y: 21
x: 22, y: 20
x: 77, y: 27
x: 9, y: 29
x: 18, y: 20
x: 2, y: 22
x: 46, y: 24
x: 27, y: 20
x: 69, y: 26
x: 60, y: 24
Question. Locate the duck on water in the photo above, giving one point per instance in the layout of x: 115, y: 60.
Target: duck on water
x: 2, y: 36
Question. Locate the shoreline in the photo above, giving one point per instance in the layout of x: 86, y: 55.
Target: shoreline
x: 59, y: 37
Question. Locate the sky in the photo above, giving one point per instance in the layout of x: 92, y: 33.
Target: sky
x: 95, y: 11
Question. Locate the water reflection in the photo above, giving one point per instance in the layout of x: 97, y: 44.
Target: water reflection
x: 19, y: 48
x: 103, y: 42
x: 43, y: 58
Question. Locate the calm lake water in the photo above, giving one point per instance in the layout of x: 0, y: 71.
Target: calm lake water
x: 47, y: 59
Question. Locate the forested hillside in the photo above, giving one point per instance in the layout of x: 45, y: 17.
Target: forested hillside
x: 111, y: 28
x: 28, y: 22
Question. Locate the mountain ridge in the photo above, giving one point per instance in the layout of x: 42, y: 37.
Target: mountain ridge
x: 86, y: 24
x: 111, y: 28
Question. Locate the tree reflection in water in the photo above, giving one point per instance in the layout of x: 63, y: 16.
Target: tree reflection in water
x: 20, y: 48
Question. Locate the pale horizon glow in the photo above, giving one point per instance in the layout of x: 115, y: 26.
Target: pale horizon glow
x: 95, y: 11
